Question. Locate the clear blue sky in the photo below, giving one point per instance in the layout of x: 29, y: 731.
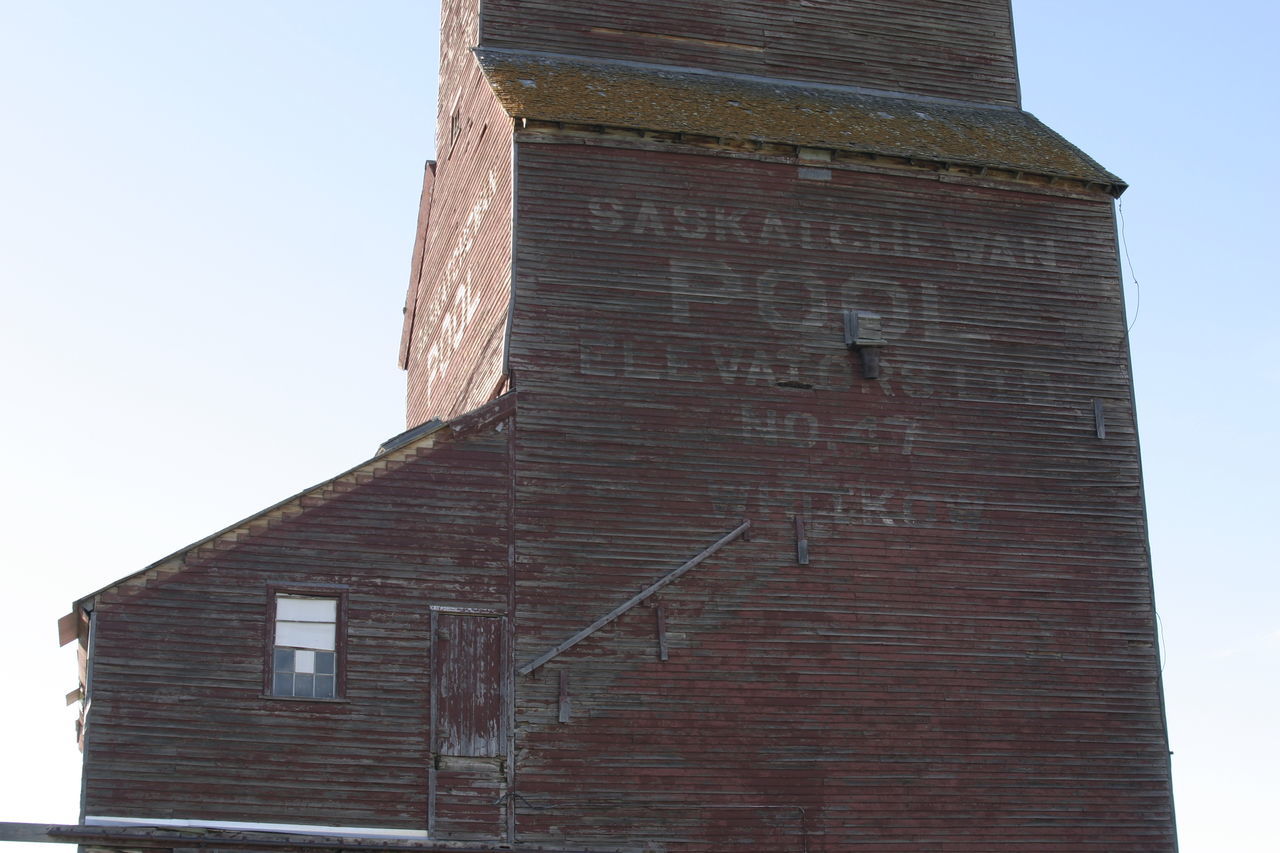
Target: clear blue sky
x: 206, y: 214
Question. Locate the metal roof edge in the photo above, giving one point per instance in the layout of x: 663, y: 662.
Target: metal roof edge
x: 408, y: 436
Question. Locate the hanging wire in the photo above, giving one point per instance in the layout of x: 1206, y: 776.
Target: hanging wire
x: 1164, y: 654
x: 1137, y: 288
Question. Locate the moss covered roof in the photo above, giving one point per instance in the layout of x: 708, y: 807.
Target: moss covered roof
x: 552, y: 87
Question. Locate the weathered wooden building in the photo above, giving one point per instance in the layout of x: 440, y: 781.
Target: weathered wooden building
x: 772, y: 479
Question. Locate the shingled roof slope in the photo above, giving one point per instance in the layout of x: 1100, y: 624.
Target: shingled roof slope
x: 552, y: 87
x: 393, y: 453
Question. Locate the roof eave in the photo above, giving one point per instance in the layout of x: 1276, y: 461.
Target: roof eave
x: 403, y: 445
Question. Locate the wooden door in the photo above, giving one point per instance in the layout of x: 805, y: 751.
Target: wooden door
x: 468, y: 651
x: 469, y: 712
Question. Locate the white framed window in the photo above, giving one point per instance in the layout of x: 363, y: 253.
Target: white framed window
x: 305, y: 656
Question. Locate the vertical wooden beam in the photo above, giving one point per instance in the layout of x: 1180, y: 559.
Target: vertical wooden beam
x: 870, y: 362
x: 509, y: 683
x: 802, y: 543
x: 433, y: 626
x: 1099, y: 419
x: 565, y: 711
x: 661, y: 613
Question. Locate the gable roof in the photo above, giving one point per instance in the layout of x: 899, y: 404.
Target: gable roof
x: 568, y: 89
x: 392, y: 454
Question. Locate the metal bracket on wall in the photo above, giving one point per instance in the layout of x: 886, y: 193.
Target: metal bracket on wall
x: 863, y: 334
x: 660, y: 628
x: 802, y: 543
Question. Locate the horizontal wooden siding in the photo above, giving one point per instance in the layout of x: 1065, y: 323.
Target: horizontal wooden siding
x: 959, y: 49
x: 966, y: 658
x: 179, y: 726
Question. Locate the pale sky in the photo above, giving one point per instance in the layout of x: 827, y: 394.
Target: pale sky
x: 206, y: 215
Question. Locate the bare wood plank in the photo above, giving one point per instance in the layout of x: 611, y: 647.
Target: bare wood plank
x: 566, y: 711
x: 661, y: 614
x: 29, y: 832
x: 68, y: 627
x: 199, y: 838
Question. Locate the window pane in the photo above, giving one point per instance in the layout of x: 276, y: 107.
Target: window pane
x: 304, y: 656
x: 305, y: 635
x: 294, y: 609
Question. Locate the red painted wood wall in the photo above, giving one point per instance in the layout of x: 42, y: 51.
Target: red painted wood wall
x: 961, y: 658
x: 967, y: 657
x: 458, y: 303
x: 179, y: 726
x: 944, y: 48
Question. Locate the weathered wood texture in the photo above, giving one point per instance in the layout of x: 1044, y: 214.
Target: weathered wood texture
x: 179, y: 726
x: 459, y: 303
x: 959, y: 49
x: 938, y: 633
x: 108, y: 839
x: 966, y: 660
x: 469, y: 799
x: 469, y: 666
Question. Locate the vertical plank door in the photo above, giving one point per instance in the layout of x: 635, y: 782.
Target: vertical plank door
x: 469, y: 713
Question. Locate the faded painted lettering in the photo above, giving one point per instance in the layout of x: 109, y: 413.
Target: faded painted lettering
x: 869, y: 233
